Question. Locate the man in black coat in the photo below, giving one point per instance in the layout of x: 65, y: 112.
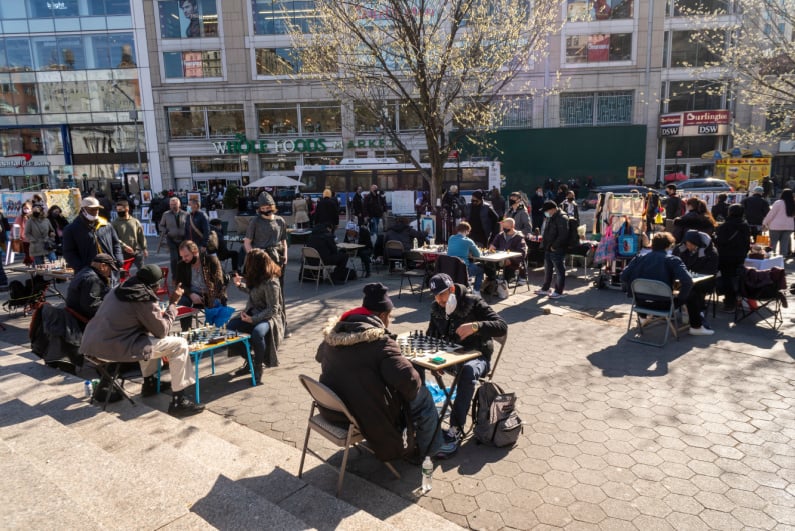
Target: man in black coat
x: 674, y: 206
x: 555, y: 234
x: 322, y: 240
x: 88, y: 235
x: 731, y: 239
x: 357, y: 205
x: 461, y: 317
x: 756, y: 208
x: 90, y: 285
x: 483, y: 219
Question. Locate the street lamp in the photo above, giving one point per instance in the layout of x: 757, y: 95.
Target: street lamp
x: 134, y: 118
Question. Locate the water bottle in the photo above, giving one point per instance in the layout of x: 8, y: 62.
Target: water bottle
x: 427, y: 474
x: 88, y: 388
x: 414, y: 243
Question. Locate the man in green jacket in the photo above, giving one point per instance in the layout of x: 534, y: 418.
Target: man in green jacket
x: 131, y: 234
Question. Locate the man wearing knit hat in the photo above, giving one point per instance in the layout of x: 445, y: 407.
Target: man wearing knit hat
x: 268, y: 232
x: 362, y: 363
x: 133, y: 328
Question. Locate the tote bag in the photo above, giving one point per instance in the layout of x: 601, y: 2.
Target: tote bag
x: 606, y: 250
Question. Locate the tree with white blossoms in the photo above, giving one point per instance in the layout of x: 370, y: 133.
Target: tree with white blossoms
x: 757, y: 61
x: 452, y: 66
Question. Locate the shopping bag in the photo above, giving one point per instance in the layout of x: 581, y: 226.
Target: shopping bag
x: 218, y: 315
x: 627, y: 242
x: 606, y: 250
x: 659, y: 218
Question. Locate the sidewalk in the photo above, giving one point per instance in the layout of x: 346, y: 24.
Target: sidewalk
x: 696, y: 435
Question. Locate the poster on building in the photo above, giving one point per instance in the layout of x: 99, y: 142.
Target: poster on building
x: 12, y: 204
x: 598, y: 47
x: 67, y: 199
x: 740, y: 172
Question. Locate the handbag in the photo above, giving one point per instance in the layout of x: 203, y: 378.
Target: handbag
x: 606, y: 250
x: 628, y: 241
x: 218, y: 315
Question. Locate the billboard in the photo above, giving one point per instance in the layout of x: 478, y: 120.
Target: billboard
x: 695, y: 123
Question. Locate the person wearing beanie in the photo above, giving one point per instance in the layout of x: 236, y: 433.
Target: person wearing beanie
x: 461, y: 317
x: 699, y: 256
x: 731, y: 239
x: 483, y: 219
x: 555, y: 233
x: 361, y: 362
x: 361, y: 235
x: 134, y: 328
x: 756, y: 208
x: 268, y: 232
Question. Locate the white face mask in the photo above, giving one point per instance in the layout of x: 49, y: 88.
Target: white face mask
x: 547, y: 215
x: 89, y: 217
x: 451, y: 304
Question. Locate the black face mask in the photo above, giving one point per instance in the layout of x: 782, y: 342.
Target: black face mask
x: 265, y: 214
x: 193, y: 260
x: 122, y: 213
x: 512, y: 201
x: 506, y: 231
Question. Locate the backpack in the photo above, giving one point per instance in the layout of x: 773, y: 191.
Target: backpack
x: 18, y: 290
x: 496, y: 422
x: 573, y: 240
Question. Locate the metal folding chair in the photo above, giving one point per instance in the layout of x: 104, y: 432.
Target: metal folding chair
x: 648, y: 296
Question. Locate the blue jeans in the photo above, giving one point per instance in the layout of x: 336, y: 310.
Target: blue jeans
x: 470, y: 372
x: 782, y: 236
x: 477, y: 271
x: 554, y: 261
x: 259, y: 333
x: 374, y: 222
x: 424, y: 417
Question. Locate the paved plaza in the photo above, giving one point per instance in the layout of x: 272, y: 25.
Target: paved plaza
x: 695, y: 435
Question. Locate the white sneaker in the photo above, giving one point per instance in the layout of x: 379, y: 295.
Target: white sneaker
x: 701, y: 331
x: 542, y: 292
x: 556, y: 295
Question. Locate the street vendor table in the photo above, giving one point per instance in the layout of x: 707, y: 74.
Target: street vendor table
x: 198, y: 349
x: 56, y: 273
x: 766, y: 263
x: 451, y: 359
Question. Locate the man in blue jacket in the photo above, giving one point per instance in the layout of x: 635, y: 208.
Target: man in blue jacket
x: 88, y: 235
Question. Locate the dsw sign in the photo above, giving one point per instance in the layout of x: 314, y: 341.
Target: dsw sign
x: 241, y: 145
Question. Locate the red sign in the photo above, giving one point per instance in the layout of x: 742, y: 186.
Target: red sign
x: 670, y: 119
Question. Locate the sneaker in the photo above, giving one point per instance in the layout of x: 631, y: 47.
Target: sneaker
x: 447, y: 450
x: 556, y: 295
x: 701, y: 331
x: 149, y: 387
x: 452, y: 434
x: 542, y: 292
x: 184, y: 407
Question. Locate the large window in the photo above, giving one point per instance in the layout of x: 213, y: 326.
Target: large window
x: 272, y: 17
x: 18, y: 96
x: 518, y: 115
x: 693, y: 49
x: 225, y: 164
x: 277, y: 61
x: 97, y: 51
x: 598, y: 48
x: 587, y: 10
x: 320, y: 118
x: 693, y: 96
x: 600, y: 108
x: 278, y: 119
x: 206, y: 121
x: 197, y: 64
x: 187, y: 19
x: 107, y: 138
x: 33, y: 141
x: 16, y: 9
x: 683, y: 8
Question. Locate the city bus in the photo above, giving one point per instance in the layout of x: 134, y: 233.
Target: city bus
x: 391, y: 176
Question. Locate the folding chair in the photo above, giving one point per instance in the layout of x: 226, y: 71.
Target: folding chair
x: 765, y: 300
x: 524, y: 269
x: 415, y: 266
x: 648, y: 296
x: 394, y: 263
x: 453, y: 266
x: 112, y: 378
x: 343, y: 436
x: 319, y: 270
x: 125, y: 268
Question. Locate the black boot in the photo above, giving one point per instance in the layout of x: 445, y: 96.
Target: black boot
x: 149, y: 387
x: 182, y: 406
x: 258, y: 375
x: 244, y: 370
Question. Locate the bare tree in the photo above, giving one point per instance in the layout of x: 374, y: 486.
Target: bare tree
x: 756, y: 62
x: 451, y: 65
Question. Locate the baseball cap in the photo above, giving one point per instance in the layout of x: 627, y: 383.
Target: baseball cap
x: 440, y: 282
x: 104, y: 258
x: 89, y: 202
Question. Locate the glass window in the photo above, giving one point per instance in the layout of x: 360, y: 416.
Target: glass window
x: 52, y: 8
x: 186, y: 122
x: 279, y: 163
x: 114, y: 50
x: 277, y: 120
x: 217, y: 164
x: 52, y: 97
x: 321, y: 118
x: 367, y: 122
x: 601, y: 108
x: 72, y: 53
x: 271, y: 17
x: 108, y: 7
x: 691, y: 49
x: 106, y: 138
x: 226, y: 120
x: 18, y: 96
x: 188, y: 19
x: 518, y: 115
x: 277, y: 61
x: 12, y: 10
x: 409, y: 121
x: 694, y: 96
x: 18, y: 56
x: 598, y: 48
x: 192, y: 64
x: 683, y: 8
x: 587, y: 10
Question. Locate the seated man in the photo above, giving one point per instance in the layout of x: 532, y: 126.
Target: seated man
x: 361, y: 235
x: 322, y: 240
x: 223, y: 251
x: 202, y: 279
x: 90, y: 285
x: 507, y: 240
x: 461, y: 246
x: 463, y: 318
x: 402, y: 232
x: 658, y: 265
x: 700, y: 256
x: 362, y: 363
x: 133, y: 328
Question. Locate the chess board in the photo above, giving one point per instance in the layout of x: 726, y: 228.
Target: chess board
x: 202, y: 337
x: 417, y: 344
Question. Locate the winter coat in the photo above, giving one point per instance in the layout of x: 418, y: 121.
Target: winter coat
x: 327, y: 211
x: 131, y: 324
x: 174, y: 225
x: 470, y: 308
x: 55, y: 334
x: 536, y: 204
x: 484, y: 221
x: 556, y: 233
x: 404, y: 234
x: 362, y: 363
x: 521, y: 218
x: 197, y: 228
x: 300, y: 211
x: 86, y: 291
x: 657, y: 265
x: 373, y: 206
x: 674, y: 206
x: 265, y: 304
x: 323, y: 242
x: 37, y: 232
x: 776, y: 219
x: 357, y: 204
x: 733, y: 238
x: 131, y: 232
x: 703, y: 260
x: 692, y: 221
x: 756, y: 208
x: 84, y: 239
x: 515, y: 243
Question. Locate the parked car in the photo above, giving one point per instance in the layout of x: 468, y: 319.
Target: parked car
x: 708, y: 184
x: 593, y: 194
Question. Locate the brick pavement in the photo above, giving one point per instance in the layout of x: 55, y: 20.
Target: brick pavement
x: 697, y: 435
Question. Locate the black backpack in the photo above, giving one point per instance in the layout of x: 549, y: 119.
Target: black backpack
x: 18, y: 290
x: 573, y: 241
x: 496, y: 422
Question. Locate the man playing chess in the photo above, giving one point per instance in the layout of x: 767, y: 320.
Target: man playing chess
x: 461, y: 317
x: 361, y: 362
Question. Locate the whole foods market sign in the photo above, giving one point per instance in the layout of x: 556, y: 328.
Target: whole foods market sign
x: 243, y: 146
x: 695, y: 123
